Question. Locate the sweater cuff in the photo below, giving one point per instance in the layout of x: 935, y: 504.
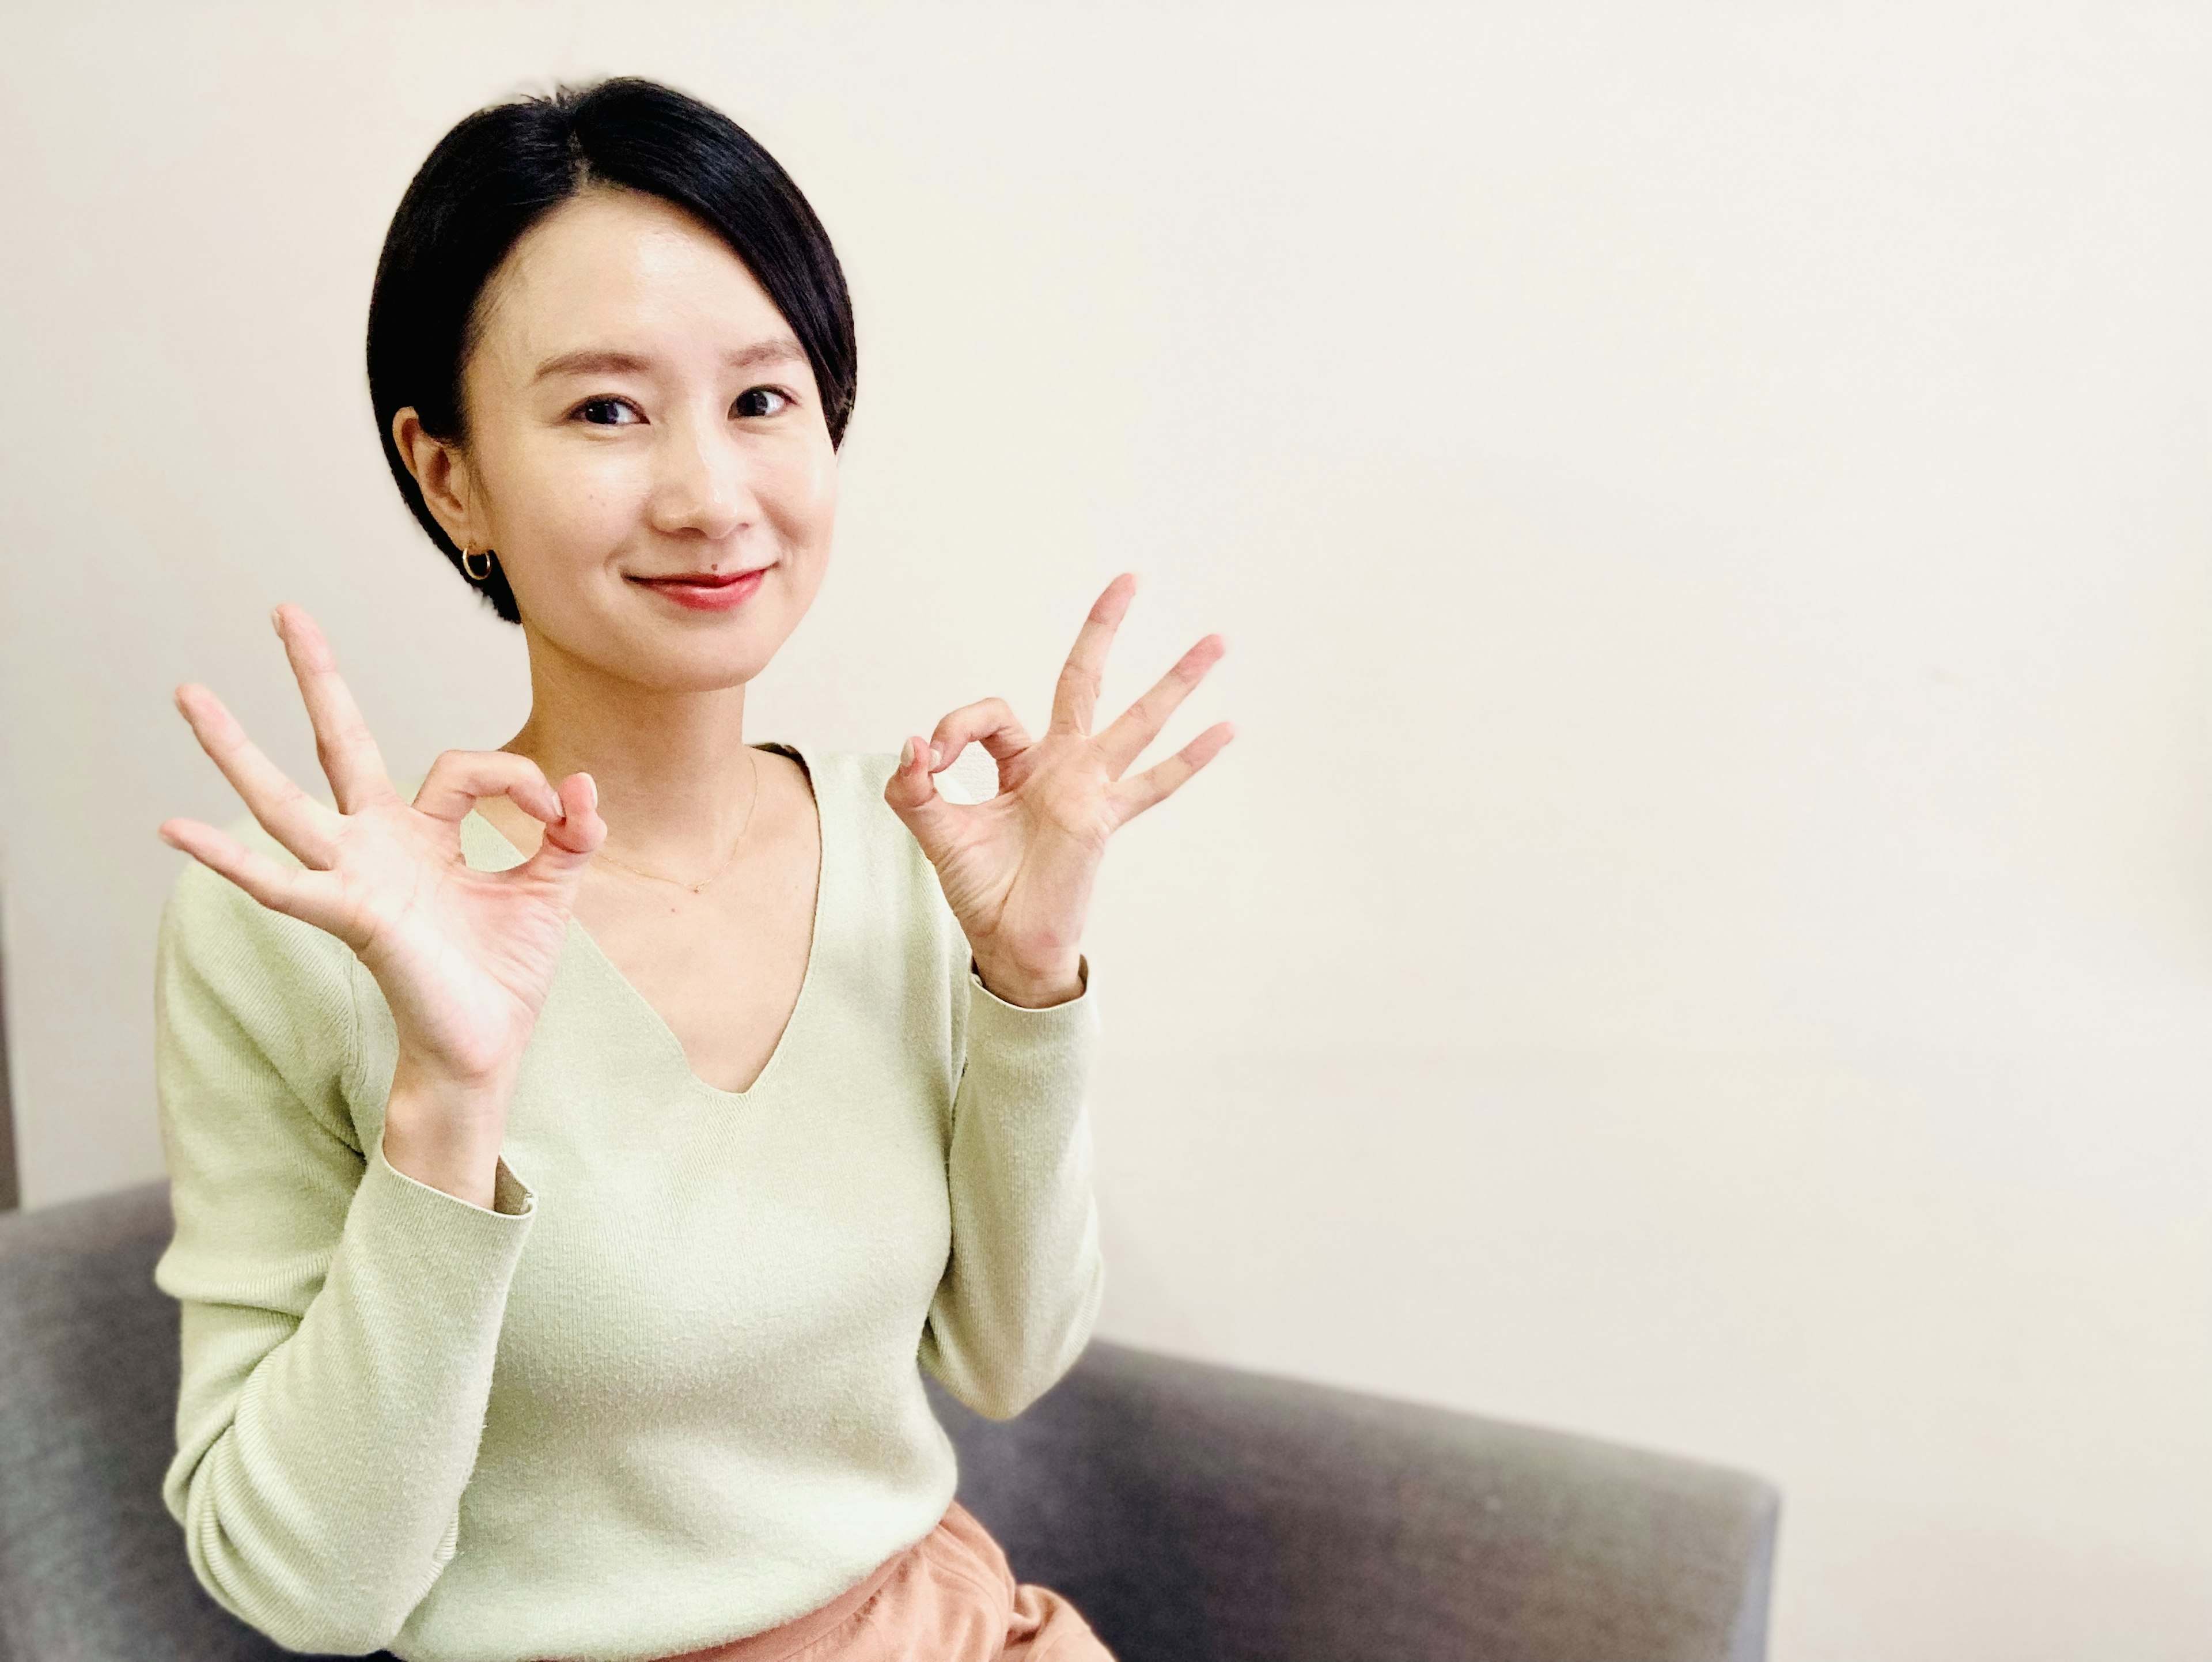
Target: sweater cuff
x: 418, y: 1261
x: 432, y: 1209
x: 1043, y: 1048
x: 1082, y: 996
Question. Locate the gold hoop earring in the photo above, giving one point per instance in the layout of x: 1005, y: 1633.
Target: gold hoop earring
x: 470, y: 571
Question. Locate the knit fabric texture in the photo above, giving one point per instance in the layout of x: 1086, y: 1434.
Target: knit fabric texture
x: 665, y: 1393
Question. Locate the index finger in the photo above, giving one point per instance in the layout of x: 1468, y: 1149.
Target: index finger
x: 350, y: 760
x: 1075, y: 700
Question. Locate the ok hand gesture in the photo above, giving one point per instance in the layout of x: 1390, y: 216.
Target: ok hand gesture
x: 465, y: 958
x: 1017, y: 870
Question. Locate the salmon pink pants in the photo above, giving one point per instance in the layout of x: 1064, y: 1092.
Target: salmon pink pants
x: 948, y: 1597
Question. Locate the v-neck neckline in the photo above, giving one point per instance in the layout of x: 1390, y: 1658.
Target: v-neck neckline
x: 582, y: 938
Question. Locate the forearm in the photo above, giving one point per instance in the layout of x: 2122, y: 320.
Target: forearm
x: 1023, y: 1285
x: 319, y: 1478
x: 341, y: 1311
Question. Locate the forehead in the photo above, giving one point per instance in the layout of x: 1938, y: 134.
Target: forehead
x: 620, y: 269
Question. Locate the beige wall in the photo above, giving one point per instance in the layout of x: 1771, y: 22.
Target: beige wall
x: 1705, y: 936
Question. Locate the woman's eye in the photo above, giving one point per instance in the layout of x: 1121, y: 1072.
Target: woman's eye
x: 761, y: 401
x: 606, y: 412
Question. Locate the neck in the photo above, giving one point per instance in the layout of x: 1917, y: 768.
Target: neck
x: 675, y: 778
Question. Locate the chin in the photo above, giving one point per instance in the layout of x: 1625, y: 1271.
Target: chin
x: 708, y: 660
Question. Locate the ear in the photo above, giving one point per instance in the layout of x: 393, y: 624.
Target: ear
x: 441, y: 473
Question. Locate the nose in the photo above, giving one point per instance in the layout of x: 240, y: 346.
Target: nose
x: 702, y: 486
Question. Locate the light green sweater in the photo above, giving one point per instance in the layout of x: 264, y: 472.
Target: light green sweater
x: 664, y: 1393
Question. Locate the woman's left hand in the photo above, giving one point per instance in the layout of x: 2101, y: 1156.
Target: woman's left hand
x: 1018, y: 869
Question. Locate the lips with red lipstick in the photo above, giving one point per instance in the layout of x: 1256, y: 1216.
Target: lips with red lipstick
x: 704, y: 591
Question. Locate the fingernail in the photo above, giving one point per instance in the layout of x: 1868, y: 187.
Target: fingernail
x: 277, y: 619
x: 905, y: 756
x: 591, y: 785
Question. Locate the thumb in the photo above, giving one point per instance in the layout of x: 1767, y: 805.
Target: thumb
x: 570, y: 841
x: 911, y: 794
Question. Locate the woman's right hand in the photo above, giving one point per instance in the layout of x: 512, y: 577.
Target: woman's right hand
x: 465, y: 958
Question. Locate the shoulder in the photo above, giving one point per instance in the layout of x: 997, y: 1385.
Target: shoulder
x: 854, y: 779
x: 848, y: 794
x: 272, y: 975
x: 874, y: 843
x: 204, y: 906
x: 850, y: 774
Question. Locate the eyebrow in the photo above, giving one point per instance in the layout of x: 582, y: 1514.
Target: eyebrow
x: 594, y: 361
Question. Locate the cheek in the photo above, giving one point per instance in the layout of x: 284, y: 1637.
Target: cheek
x: 808, y: 497
x: 563, y: 503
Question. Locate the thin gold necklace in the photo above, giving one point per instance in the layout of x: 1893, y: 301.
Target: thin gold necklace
x: 701, y: 888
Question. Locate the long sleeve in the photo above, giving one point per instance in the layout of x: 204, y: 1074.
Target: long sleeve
x: 1021, y: 1295
x: 339, y: 1320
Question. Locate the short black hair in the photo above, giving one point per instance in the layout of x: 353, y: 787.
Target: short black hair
x: 503, y: 169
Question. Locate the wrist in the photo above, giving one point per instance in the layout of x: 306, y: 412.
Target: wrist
x: 446, y: 1133
x: 1032, y: 988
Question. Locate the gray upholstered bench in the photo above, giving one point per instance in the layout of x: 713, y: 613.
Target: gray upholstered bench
x: 1191, y: 1512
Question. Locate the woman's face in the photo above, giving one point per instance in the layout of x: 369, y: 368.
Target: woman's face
x: 646, y: 452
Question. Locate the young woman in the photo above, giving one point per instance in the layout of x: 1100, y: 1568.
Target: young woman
x: 569, y: 1177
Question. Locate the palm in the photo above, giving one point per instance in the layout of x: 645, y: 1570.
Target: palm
x: 471, y: 953
x: 465, y: 958
x: 1017, y: 870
